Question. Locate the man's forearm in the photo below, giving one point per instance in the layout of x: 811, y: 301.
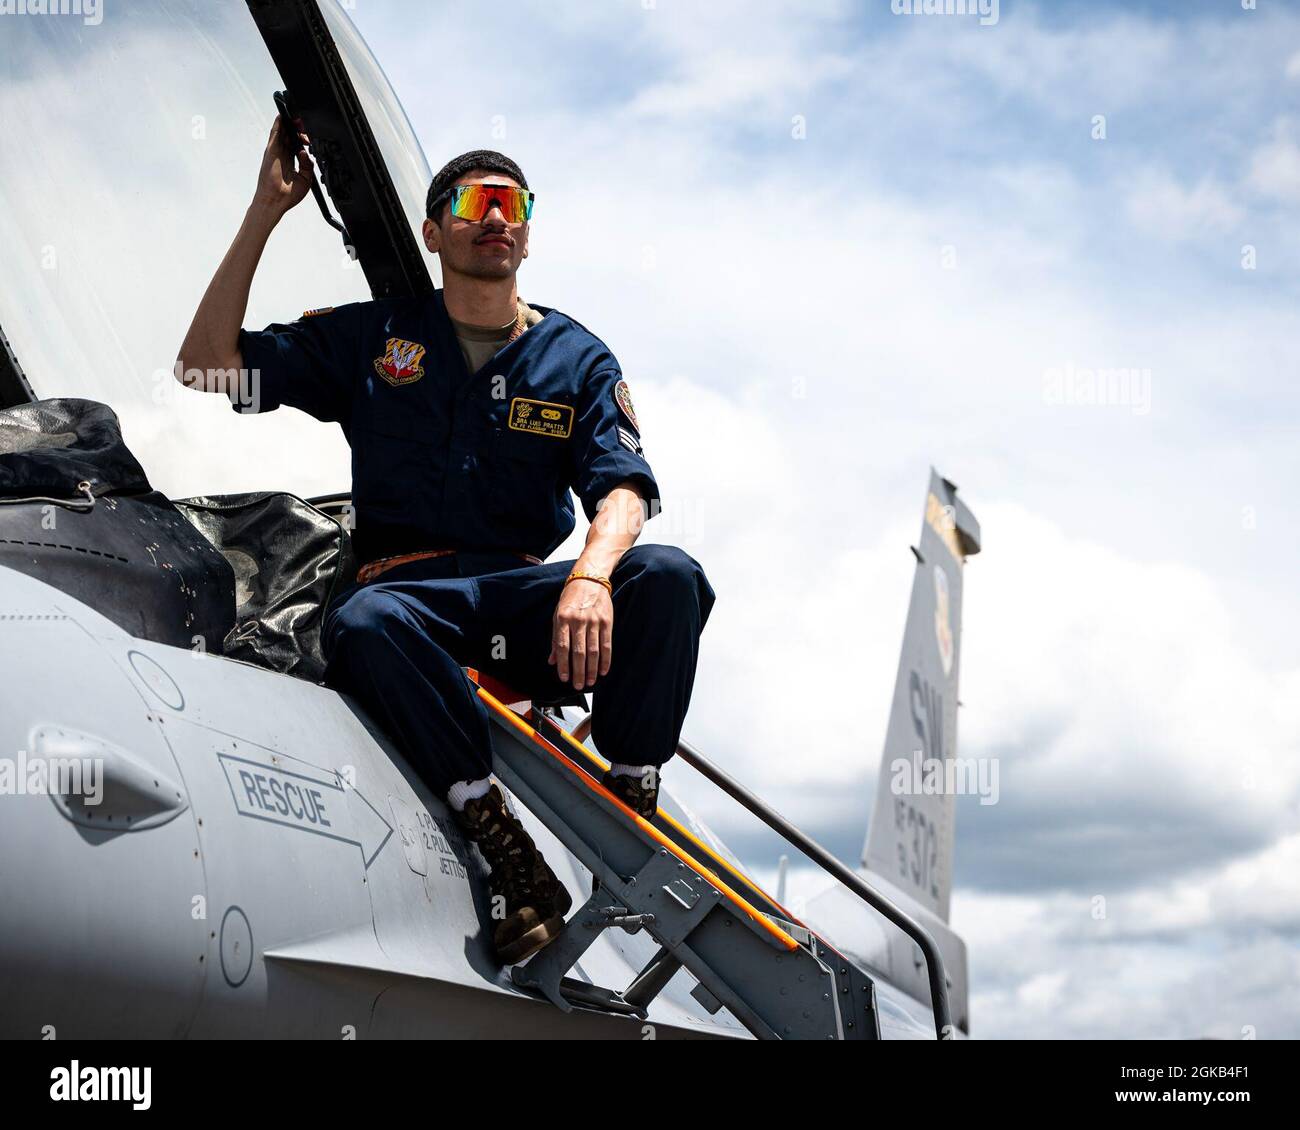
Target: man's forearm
x: 617, y: 526
x: 211, y: 346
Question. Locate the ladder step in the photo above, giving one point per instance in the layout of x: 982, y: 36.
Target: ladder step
x: 593, y: 996
x: 773, y: 975
x: 652, y: 980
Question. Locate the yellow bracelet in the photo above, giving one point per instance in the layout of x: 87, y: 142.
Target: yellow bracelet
x: 591, y: 577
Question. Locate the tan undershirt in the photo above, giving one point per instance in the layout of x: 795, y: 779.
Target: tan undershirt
x: 480, y: 344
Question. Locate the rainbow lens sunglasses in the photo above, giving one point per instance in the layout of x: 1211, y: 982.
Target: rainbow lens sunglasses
x: 474, y: 201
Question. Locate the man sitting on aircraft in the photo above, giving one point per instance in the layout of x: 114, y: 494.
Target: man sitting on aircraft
x: 470, y: 414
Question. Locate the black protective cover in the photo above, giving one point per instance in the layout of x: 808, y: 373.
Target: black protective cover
x: 290, y: 560
x: 50, y: 446
x: 115, y: 544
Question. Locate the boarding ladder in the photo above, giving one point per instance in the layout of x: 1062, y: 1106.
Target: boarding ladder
x: 747, y: 953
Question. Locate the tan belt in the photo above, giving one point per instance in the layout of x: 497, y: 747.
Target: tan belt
x: 371, y: 570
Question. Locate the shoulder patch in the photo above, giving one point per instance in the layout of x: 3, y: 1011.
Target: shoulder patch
x: 623, y: 398
x: 321, y: 310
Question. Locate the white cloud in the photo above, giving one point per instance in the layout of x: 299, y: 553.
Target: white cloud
x: 1119, y: 691
x: 1275, y: 167
x: 1257, y: 891
x: 1199, y: 959
x: 1123, y: 646
x: 1158, y: 205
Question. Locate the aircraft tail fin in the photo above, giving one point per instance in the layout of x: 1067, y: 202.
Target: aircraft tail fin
x: 910, y: 838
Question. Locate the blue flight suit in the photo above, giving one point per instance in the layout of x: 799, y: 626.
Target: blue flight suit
x: 481, y: 463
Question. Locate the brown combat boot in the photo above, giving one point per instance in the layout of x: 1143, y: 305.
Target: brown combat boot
x: 640, y: 793
x: 524, y: 889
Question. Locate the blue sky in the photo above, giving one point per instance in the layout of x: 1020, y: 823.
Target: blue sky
x: 1130, y: 629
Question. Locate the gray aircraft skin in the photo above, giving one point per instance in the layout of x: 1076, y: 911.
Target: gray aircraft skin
x: 263, y: 861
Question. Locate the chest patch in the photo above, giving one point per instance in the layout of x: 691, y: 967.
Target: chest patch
x: 401, y: 362
x: 540, y: 417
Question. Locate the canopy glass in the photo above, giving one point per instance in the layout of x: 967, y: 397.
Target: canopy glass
x: 129, y: 150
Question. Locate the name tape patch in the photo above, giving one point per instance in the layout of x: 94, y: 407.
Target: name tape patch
x: 540, y: 417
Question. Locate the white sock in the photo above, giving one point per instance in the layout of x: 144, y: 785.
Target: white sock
x: 463, y: 791
x: 645, y: 772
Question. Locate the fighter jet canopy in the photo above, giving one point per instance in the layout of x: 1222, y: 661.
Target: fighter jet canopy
x: 129, y: 152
